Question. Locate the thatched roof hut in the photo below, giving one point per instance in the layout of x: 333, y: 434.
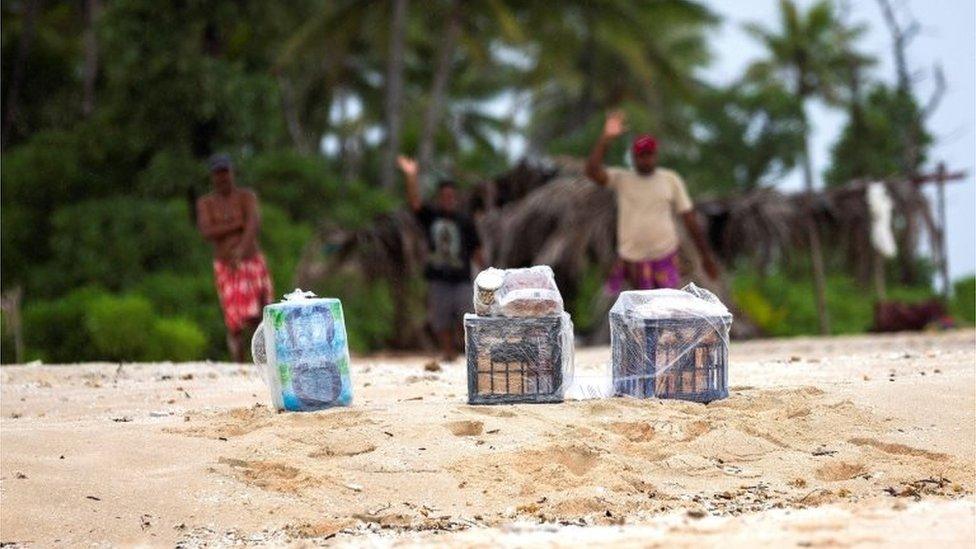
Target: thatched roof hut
x: 550, y: 214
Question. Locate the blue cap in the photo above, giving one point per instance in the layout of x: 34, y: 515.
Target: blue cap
x: 219, y: 162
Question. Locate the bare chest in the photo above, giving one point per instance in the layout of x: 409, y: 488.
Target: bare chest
x: 225, y: 210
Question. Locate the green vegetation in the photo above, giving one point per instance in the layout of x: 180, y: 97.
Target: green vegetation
x: 964, y: 300
x: 782, y: 303
x: 104, y: 140
x: 91, y: 324
x: 872, y: 143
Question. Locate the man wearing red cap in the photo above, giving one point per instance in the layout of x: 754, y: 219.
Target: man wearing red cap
x: 648, y: 198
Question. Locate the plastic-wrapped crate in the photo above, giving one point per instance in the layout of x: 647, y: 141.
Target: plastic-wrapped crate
x: 302, y: 351
x: 517, y: 293
x: 512, y: 360
x: 670, y: 344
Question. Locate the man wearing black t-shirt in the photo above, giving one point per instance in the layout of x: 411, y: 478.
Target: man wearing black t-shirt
x: 452, y: 243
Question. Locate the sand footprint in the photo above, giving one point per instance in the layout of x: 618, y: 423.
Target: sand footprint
x: 634, y: 431
x: 489, y: 411
x: 465, y: 428
x: 343, y: 448
x: 578, y: 461
x: 898, y: 449
x: 269, y: 475
x: 840, y: 470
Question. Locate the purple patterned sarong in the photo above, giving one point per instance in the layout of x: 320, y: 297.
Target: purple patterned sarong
x: 645, y: 275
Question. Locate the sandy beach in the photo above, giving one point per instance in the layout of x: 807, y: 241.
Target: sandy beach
x: 823, y: 442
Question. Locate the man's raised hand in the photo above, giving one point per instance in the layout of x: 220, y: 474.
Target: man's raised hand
x: 407, y: 165
x: 615, y: 125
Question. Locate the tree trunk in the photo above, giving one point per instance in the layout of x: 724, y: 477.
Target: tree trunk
x: 819, y: 278
x: 10, y: 303
x: 438, y: 91
x: 878, y: 269
x: 394, y: 92
x: 292, y: 120
x: 900, y: 38
x: 18, y: 72
x: 807, y: 162
x: 350, y: 142
x: 816, y: 252
x: 943, y: 253
x: 90, y: 76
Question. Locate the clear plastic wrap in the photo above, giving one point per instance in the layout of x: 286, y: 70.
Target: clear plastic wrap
x: 517, y: 293
x: 670, y: 344
x: 302, y: 351
x: 512, y: 360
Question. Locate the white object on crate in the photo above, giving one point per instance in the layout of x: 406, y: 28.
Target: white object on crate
x: 525, y: 292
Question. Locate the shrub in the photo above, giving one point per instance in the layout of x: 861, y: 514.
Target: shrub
x: 964, y: 299
x: 283, y: 242
x: 170, y: 174
x: 368, y: 310
x: 177, y: 339
x: 783, y: 303
x: 305, y: 189
x: 55, y: 330
x: 121, y: 327
x: 90, y: 324
x: 114, y: 242
x: 172, y: 294
x: 590, y: 303
x: 190, y: 296
x: 298, y: 184
x: 7, y: 350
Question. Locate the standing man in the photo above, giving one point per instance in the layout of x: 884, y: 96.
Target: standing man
x: 228, y: 218
x: 648, y: 199
x: 453, y: 244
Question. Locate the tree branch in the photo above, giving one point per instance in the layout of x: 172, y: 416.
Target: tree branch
x: 936, y: 98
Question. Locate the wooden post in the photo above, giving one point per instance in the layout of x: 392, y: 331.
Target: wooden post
x: 879, y: 276
x: 940, y: 179
x: 819, y: 277
x: 10, y: 304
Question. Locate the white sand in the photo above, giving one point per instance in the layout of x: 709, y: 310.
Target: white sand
x: 823, y: 441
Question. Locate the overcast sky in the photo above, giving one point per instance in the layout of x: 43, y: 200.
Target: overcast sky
x: 948, y: 36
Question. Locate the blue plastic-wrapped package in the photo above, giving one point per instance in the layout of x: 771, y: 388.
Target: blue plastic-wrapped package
x: 303, y: 353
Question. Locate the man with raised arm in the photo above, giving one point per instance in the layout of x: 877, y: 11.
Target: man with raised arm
x: 228, y: 217
x: 648, y: 199
x: 453, y: 244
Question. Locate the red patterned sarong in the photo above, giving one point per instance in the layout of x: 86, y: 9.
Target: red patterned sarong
x: 244, y: 290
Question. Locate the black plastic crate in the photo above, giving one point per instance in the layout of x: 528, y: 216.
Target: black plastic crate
x: 513, y: 360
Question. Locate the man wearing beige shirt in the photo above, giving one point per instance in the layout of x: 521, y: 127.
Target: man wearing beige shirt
x: 648, y: 200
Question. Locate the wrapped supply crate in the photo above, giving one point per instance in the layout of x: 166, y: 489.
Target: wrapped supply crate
x: 519, y: 346
x: 518, y: 359
x: 670, y: 344
x: 302, y: 351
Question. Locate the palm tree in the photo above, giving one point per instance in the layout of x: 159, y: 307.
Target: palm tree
x: 28, y: 25
x: 438, y: 88
x: 808, y: 52
x: 600, y: 55
x: 641, y: 56
x: 342, y: 52
x: 394, y: 93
